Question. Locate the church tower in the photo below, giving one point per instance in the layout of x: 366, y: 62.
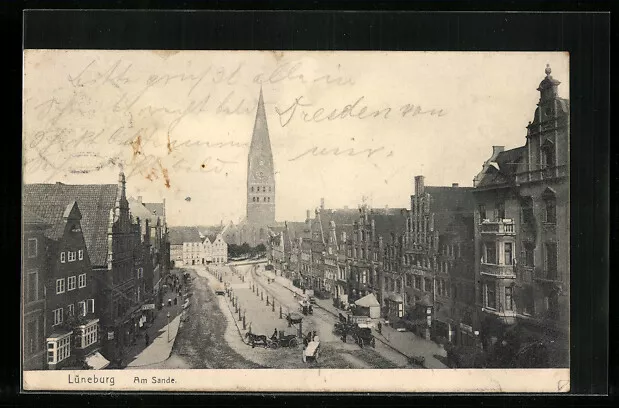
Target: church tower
x: 260, y: 176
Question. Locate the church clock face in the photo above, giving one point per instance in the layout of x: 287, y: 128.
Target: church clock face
x: 259, y: 175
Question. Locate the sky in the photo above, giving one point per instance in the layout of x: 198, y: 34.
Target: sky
x: 344, y: 126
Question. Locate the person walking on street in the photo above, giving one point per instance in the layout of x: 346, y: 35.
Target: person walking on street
x: 380, y: 328
x: 146, y: 339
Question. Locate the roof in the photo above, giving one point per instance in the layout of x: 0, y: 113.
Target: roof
x: 179, y: 235
x: 344, y: 219
x: 448, y: 202
x: 387, y: 221
x: 212, y: 237
x: 32, y: 220
x: 368, y: 301
x: 95, y: 201
x: 155, y: 208
x: 507, y: 163
x: 139, y: 210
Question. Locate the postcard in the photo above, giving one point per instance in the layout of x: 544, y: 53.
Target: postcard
x: 302, y: 221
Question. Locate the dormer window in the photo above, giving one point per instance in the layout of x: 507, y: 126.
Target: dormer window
x: 548, y: 154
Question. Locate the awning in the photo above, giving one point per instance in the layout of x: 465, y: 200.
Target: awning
x: 97, y: 361
x: 368, y: 301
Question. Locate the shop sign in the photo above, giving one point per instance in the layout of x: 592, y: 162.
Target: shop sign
x: 149, y: 306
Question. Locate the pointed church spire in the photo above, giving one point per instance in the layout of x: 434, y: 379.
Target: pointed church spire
x: 260, y: 172
x: 260, y: 138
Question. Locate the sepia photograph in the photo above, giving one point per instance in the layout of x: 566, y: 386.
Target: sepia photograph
x: 295, y: 220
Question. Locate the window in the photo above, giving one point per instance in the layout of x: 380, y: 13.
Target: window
x: 548, y: 154
x: 500, y: 210
x: 71, y: 255
x: 59, y: 350
x: 551, y: 260
x: 57, y: 316
x: 490, y: 253
x: 91, y: 305
x: 32, y: 286
x: 70, y: 283
x: 527, y: 211
x: 529, y: 254
x: 508, y: 253
x: 428, y: 285
x: 551, y: 211
x: 417, y: 282
x: 264, y: 189
x: 490, y: 296
x: 88, y: 336
x: 252, y: 189
x: 62, y: 257
x: 81, y: 308
x: 81, y: 280
x: 80, y: 254
x: 508, y: 298
x: 482, y: 212
x: 70, y: 310
x: 32, y: 247
x: 59, y: 286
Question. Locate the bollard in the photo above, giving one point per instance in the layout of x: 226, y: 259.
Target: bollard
x: 267, y: 300
x: 261, y: 295
x: 273, y: 306
x: 244, y: 321
x: 280, y: 311
x: 240, y: 314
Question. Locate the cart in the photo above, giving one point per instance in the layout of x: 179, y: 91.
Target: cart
x: 363, y: 336
x: 306, y: 307
x: 294, y: 318
x: 311, y: 352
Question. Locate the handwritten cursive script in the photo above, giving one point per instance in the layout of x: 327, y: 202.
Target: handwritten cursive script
x: 300, y: 109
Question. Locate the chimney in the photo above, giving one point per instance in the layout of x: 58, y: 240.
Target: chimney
x: 419, y: 185
x: 322, y: 204
x: 496, y: 150
x: 307, y: 214
x: 455, y: 185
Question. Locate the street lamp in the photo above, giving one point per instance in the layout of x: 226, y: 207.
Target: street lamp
x: 168, y: 327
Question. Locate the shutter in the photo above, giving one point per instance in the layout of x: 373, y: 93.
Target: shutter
x: 91, y: 305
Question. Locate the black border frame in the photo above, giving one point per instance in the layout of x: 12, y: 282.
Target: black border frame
x: 389, y: 26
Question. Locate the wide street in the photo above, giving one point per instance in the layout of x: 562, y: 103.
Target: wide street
x: 213, y: 331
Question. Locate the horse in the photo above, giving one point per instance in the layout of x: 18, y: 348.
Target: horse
x: 256, y: 338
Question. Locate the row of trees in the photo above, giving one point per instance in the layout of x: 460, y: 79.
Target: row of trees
x: 235, y: 251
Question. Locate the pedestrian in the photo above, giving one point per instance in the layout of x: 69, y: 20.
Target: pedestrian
x: 147, y: 339
x: 380, y: 328
x: 304, y: 354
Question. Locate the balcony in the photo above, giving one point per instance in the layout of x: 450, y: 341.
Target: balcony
x: 501, y: 271
x: 546, y: 173
x: 546, y: 276
x: 498, y: 227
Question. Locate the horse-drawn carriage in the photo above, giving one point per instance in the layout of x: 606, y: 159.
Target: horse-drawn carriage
x: 284, y: 340
x: 306, y: 307
x: 294, y: 318
x: 361, y: 335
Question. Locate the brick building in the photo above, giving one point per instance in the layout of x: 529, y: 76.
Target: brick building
x: 34, y: 258
x: 522, y: 239
x: 71, y: 310
x: 429, y: 275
